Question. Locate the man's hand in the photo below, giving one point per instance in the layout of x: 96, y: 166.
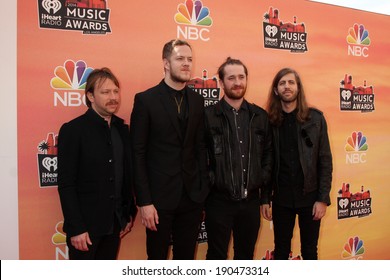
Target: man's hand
x: 149, y: 217
x: 81, y: 241
x: 127, y: 228
x: 266, y: 211
x: 319, y: 210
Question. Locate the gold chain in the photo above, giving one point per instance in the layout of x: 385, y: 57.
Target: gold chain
x: 178, y: 104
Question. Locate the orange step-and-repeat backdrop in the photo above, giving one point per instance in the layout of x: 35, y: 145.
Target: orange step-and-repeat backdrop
x: 342, y: 55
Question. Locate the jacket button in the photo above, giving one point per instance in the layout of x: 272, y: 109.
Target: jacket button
x: 110, y: 160
x: 111, y: 179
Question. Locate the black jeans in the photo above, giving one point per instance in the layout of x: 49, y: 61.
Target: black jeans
x: 223, y: 217
x: 284, y: 222
x: 182, y: 225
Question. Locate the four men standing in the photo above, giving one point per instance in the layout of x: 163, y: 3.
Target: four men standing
x: 175, y: 147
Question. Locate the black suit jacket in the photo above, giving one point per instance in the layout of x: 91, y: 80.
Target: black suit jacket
x: 166, y: 162
x: 86, y: 175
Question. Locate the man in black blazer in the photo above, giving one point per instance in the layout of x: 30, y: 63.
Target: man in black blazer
x: 171, y: 181
x: 94, y: 170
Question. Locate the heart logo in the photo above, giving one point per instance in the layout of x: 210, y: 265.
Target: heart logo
x: 49, y: 162
x: 346, y: 94
x: 343, y: 203
x: 271, y: 30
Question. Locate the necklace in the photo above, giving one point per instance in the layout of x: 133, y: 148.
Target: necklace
x: 178, y: 103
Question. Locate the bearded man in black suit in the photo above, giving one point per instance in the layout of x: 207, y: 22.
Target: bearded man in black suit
x: 170, y: 160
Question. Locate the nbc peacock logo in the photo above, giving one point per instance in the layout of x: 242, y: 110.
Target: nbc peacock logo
x: 69, y: 81
x: 357, y: 142
x: 59, y: 240
x: 194, y: 19
x: 358, y: 40
x: 59, y: 237
x: 358, y: 35
x: 193, y: 13
x: 356, y: 147
x: 353, y: 249
x: 72, y: 75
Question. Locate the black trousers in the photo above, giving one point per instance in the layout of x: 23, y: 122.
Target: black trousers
x: 284, y: 222
x: 179, y: 226
x: 104, y: 247
x: 224, y: 216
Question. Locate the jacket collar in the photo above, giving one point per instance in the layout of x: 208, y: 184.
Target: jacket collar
x: 250, y: 106
x: 95, y: 117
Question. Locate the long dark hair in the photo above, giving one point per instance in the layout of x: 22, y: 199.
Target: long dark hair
x: 274, y: 106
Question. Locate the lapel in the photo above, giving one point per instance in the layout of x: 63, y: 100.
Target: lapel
x: 191, y: 110
x: 165, y: 99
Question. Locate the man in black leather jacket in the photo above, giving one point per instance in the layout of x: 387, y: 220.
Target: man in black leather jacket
x: 240, y: 161
x: 303, y: 166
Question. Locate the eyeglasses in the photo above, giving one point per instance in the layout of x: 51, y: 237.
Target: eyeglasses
x: 307, y: 138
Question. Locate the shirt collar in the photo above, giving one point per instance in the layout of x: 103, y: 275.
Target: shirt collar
x: 174, y: 91
x: 226, y: 106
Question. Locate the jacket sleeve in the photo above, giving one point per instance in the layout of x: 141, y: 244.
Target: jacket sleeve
x: 130, y: 210
x: 324, y: 165
x: 267, y: 166
x: 209, y: 145
x: 139, y: 133
x: 68, y: 167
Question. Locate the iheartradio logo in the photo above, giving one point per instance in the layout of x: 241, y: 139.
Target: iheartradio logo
x: 47, y: 161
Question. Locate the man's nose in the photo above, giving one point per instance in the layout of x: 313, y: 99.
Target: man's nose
x: 113, y: 95
x: 237, y: 81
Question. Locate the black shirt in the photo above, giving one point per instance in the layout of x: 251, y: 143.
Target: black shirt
x: 118, y: 152
x: 180, y: 103
x: 239, y: 143
x: 291, y: 178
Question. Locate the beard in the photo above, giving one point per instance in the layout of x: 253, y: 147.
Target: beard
x: 289, y: 99
x: 233, y: 94
x: 176, y: 77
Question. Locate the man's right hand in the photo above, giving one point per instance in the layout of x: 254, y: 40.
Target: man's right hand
x: 81, y: 241
x: 149, y: 217
x: 266, y: 211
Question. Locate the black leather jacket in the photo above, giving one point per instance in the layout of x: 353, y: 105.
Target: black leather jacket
x: 219, y: 136
x: 314, y: 154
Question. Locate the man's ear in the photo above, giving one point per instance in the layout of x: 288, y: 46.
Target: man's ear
x: 90, y: 96
x: 166, y: 64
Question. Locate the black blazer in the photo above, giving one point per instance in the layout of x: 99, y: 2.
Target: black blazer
x: 86, y: 172
x: 163, y: 160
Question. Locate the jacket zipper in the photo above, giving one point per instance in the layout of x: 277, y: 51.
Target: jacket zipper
x: 243, y: 190
x: 249, y: 156
x: 230, y: 154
